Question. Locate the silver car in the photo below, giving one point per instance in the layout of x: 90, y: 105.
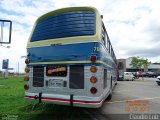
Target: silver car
x: 158, y: 80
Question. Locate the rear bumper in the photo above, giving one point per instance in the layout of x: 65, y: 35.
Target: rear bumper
x: 79, y: 101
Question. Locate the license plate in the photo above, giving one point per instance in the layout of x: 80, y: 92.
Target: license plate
x: 55, y: 83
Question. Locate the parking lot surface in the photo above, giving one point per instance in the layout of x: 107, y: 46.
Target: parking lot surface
x: 141, y: 96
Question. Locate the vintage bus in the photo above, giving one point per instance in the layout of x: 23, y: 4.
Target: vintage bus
x: 70, y: 59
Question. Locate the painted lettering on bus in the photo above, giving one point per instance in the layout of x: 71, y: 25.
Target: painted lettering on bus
x: 62, y: 69
x: 96, y: 49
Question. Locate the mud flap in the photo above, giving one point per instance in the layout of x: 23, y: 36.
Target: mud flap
x: 38, y: 97
x: 71, y: 100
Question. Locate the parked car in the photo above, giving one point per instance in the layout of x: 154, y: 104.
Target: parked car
x: 120, y: 77
x: 128, y: 76
x: 157, y: 74
x: 148, y: 74
x: 158, y: 80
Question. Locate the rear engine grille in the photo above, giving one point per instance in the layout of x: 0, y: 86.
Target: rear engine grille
x: 76, y: 80
x: 38, y: 76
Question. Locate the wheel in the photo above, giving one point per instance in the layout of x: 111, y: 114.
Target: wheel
x: 109, y: 96
x: 116, y: 83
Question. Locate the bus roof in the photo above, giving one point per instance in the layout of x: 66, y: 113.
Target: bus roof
x: 68, y: 9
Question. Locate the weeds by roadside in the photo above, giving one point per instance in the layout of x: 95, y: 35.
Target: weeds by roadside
x: 12, y: 104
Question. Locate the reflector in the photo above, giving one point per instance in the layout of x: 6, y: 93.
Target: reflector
x: 26, y: 78
x: 93, y: 69
x: 93, y: 79
x: 26, y: 70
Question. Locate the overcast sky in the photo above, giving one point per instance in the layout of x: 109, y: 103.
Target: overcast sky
x: 133, y: 25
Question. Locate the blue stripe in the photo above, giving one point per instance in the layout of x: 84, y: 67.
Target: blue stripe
x: 68, y: 52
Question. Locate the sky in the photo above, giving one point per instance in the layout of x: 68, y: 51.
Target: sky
x: 133, y: 25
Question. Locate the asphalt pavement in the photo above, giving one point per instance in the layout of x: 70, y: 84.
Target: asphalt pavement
x: 131, y: 100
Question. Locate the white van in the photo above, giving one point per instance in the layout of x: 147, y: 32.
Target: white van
x: 128, y: 76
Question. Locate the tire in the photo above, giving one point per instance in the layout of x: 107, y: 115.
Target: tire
x: 109, y: 96
x: 116, y: 83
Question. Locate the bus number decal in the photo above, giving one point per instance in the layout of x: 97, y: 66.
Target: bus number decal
x: 96, y: 49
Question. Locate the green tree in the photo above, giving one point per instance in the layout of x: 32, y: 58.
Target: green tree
x: 138, y: 62
x: 145, y: 62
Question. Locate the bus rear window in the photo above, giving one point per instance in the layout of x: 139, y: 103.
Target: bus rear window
x: 68, y: 24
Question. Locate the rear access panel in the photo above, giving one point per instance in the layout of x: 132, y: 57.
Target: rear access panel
x: 76, y: 77
x: 38, y: 76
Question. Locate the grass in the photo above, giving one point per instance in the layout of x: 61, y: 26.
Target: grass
x: 12, y: 102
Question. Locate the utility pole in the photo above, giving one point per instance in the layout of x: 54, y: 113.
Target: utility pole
x: 18, y: 68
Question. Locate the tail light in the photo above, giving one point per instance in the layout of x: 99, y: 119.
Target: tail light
x: 26, y: 78
x: 93, y: 79
x: 26, y: 69
x: 27, y: 61
x: 26, y: 87
x: 93, y: 69
x: 93, y: 90
x: 93, y: 58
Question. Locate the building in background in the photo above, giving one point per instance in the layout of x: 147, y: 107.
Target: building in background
x: 124, y: 66
x: 121, y: 66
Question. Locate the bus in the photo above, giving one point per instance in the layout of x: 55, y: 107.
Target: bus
x: 70, y: 59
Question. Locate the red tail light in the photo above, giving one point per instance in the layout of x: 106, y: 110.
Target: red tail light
x: 27, y: 61
x: 26, y: 87
x: 93, y: 58
x: 93, y: 90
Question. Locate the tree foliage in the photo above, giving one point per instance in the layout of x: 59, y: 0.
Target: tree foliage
x: 138, y: 62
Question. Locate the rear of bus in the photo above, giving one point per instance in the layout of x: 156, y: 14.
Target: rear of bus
x: 62, y: 59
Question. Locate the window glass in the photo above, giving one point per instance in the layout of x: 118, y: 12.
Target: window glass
x: 69, y: 24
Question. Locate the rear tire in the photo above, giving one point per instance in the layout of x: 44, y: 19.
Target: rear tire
x: 116, y: 83
x: 109, y: 96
